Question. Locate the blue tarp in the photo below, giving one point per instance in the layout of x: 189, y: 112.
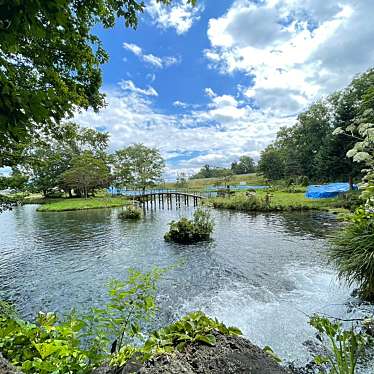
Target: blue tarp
x: 327, y: 190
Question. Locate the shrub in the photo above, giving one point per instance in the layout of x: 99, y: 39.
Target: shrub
x: 186, y: 231
x: 345, y: 346
x: 349, y: 200
x: 131, y: 212
x: 353, y: 252
x: 248, y: 202
x: 303, y: 181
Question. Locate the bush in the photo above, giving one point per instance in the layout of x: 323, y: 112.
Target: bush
x: 131, y: 212
x: 302, y: 180
x: 187, y: 231
x: 353, y: 252
x: 248, y: 202
x: 349, y: 200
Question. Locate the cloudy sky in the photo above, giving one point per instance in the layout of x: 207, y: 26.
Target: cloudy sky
x: 211, y: 83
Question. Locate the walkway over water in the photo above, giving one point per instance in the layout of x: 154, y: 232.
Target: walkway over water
x: 167, y: 197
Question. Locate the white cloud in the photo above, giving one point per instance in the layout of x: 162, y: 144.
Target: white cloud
x: 130, y: 86
x: 180, y: 104
x: 294, y: 50
x: 155, y: 61
x: 218, y: 133
x: 179, y: 16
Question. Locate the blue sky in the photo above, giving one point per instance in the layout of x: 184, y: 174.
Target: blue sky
x: 211, y: 83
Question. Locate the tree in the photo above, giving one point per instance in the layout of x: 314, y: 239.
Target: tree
x: 16, y: 181
x: 245, y: 165
x: 87, y: 174
x: 46, y: 159
x: 50, y: 63
x: 137, y: 166
x: 271, y: 164
x: 212, y: 172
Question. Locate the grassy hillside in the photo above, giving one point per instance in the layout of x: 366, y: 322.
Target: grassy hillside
x: 250, y: 179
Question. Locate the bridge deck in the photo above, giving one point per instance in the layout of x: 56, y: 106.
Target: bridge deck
x: 170, y: 193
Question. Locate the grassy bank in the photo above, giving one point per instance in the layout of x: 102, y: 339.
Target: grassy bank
x: 64, y: 204
x: 278, y: 201
x: 200, y: 184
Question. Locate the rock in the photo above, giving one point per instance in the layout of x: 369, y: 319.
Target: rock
x: 230, y: 355
x: 6, y: 367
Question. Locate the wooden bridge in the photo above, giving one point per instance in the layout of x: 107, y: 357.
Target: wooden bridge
x: 161, y: 198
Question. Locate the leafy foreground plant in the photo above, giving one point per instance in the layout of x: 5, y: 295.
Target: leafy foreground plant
x: 131, y: 212
x: 194, y: 327
x: 77, y: 344
x: 346, y: 346
x: 353, y: 252
x: 187, y: 231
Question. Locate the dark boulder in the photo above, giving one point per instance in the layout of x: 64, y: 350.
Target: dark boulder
x: 230, y: 355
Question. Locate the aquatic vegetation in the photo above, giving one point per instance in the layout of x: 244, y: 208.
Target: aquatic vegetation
x: 186, y: 231
x: 131, y: 212
x: 352, y: 252
x: 346, y: 346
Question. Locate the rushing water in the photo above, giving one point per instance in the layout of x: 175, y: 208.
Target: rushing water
x: 262, y: 273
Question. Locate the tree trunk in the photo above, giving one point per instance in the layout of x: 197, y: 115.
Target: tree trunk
x: 350, y: 182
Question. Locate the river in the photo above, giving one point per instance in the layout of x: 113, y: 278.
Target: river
x: 262, y: 273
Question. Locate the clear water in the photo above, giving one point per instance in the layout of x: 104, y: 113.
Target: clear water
x: 262, y: 273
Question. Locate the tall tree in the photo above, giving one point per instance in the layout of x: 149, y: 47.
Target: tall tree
x: 86, y: 174
x: 138, y: 166
x: 50, y: 63
x: 245, y: 165
x: 271, y: 164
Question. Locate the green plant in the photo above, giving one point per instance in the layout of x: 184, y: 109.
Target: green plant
x: 353, y: 252
x: 194, y: 327
x: 346, y: 345
x: 130, y: 212
x: 349, y: 200
x: 187, y: 231
x: 44, y: 346
x: 77, y: 344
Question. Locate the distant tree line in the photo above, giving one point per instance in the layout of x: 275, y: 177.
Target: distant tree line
x: 78, y: 163
x: 245, y: 165
x: 310, y: 148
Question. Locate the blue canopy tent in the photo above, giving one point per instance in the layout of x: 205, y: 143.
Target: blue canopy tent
x: 324, y: 191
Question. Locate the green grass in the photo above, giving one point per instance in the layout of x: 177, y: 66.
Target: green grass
x: 200, y: 184
x: 280, y: 201
x: 65, y: 204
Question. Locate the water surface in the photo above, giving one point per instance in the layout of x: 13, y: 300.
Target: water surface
x: 262, y: 273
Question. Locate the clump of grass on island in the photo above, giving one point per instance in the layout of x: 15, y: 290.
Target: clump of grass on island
x: 66, y: 204
x: 131, y: 212
x: 189, y: 231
